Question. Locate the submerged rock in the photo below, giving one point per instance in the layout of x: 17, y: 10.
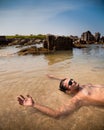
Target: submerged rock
x: 33, y: 50
x: 78, y: 45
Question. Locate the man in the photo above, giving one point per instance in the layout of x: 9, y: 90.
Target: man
x: 83, y: 95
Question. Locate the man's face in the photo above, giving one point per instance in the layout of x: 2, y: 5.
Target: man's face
x: 70, y: 84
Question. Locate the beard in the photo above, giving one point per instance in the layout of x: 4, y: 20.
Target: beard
x: 76, y: 87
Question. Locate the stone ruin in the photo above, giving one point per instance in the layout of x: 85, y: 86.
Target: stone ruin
x: 58, y: 43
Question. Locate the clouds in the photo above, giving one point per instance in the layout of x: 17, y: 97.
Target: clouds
x: 55, y: 16
x: 35, y: 9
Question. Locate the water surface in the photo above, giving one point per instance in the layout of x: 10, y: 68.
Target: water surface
x: 27, y: 75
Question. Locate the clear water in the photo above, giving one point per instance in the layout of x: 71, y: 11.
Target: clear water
x: 27, y: 75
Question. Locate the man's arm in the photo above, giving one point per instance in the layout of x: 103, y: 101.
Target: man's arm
x: 66, y: 109
x: 53, y: 77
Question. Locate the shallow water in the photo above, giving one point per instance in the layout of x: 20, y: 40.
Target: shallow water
x: 27, y: 75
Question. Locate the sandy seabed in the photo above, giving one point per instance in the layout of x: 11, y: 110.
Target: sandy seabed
x: 27, y: 75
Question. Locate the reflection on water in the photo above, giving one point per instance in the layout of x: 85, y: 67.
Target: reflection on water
x: 59, y: 57
x: 27, y: 75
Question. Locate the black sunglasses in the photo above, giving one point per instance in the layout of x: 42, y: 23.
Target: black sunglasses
x: 70, y: 82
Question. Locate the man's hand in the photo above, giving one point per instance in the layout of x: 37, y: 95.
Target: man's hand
x: 53, y: 77
x: 50, y: 76
x: 28, y: 101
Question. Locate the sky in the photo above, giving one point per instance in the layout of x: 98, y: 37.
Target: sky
x: 58, y: 17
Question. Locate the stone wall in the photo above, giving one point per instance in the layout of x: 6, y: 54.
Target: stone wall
x: 58, y: 42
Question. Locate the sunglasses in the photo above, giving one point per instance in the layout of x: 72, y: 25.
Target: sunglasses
x: 70, y: 82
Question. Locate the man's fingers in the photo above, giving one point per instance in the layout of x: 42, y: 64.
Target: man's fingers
x: 22, y: 96
x: 20, y: 100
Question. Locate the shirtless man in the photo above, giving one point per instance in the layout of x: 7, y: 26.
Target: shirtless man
x: 83, y: 95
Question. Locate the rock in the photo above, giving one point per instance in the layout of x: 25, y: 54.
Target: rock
x: 34, y: 51
x: 58, y: 42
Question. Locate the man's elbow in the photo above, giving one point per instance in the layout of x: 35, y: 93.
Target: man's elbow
x: 58, y: 115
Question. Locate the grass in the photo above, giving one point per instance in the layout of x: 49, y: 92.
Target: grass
x: 39, y: 36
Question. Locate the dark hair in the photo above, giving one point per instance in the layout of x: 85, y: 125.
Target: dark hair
x: 61, y: 86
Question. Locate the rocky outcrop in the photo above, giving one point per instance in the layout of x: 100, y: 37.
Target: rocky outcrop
x: 102, y: 39
x: 3, y: 41
x: 79, y: 45
x: 58, y: 42
x: 97, y: 36
x: 88, y: 37
x: 50, y: 43
x: 2, y: 38
x: 24, y: 41
x: 34, y: 51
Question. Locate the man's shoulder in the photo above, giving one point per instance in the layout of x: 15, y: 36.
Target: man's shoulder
x: 77, y: 100
x: 78, y: 97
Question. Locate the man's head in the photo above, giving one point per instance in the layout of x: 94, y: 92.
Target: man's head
x: 68, y: 85
x: 61, y: 86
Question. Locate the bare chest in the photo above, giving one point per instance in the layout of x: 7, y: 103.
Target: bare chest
x: 94, y: 94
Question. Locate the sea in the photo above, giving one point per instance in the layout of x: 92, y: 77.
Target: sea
x: 28, y: 75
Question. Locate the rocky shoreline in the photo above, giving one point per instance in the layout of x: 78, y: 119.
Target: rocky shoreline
x: 50, y: 43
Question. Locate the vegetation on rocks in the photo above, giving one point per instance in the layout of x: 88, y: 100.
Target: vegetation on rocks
x: 39, y: 36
